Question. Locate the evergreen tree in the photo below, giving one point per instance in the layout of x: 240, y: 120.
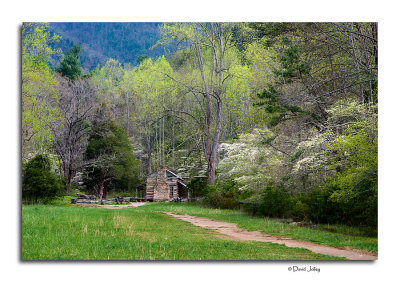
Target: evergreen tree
x: 71, y: 66
x: 39, y: 183
x: 111, y: 163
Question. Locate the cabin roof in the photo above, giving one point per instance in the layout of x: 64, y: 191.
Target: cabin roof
x: 172, y: 174
x: 169, y: 173
x: 183, y: 184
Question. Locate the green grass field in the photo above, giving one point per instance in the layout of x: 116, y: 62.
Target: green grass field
x: 78, y: 233
x: 273, y: 226
x: 144, y: 233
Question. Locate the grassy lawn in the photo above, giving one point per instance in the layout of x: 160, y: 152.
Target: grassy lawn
x: 270, y: 226
x: 76, y: 233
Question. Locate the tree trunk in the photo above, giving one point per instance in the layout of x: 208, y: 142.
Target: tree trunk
x: 375, y: 36
x: 212, y: 162
x: 101, y: 190
x: 211, y: 142
x: 148, y: 153
x: 68, y: 178
x: 105, y: 191
x: 127, y: 113
x: 173, y: 142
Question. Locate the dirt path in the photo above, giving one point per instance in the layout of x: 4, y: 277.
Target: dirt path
x: 232, y: 231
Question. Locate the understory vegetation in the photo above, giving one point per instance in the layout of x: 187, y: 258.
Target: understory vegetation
x: 276, y: 119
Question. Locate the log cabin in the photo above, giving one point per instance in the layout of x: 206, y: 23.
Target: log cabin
x: 165, y: 185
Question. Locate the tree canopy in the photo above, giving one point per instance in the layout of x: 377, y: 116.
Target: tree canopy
x: 39, y: 184
x: 71, y: 66
x: 111, y: 163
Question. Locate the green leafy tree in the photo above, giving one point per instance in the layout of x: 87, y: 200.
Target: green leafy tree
x: 210, y: 43
x: 107, y: 80
x: 110, y: 160
x: 354, y: 153
x: 71, y: 65
x: 151, y: 101
x: 39, y: 184
x: 39, y: 89
x: 342, y: 164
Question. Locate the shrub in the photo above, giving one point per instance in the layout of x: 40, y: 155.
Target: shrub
x: 357, y: 211
x: 300, y: 211
x: 275, y: 202
x: 198, y: 187
x: 223, y: 196
x: 39, y: 184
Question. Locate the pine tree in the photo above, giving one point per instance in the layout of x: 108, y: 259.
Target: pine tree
x: 71, y: 65
x: 111, y: 163
x: 38, y: 182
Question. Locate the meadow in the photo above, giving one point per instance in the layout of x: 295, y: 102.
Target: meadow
x: 337, y: 236
x: 80, y: 233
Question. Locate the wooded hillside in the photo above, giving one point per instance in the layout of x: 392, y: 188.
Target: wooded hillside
x: 125, y: 42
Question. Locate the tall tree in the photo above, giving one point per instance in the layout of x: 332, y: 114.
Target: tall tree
x: 107, y: 80
x: 70, y: 66
x: 208, y: 42
x: 77, y: 104
x: 110, y: 159
x: 39, y: 89
x: 152, y: 99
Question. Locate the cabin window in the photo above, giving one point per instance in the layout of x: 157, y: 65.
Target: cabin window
x: 171, y: 190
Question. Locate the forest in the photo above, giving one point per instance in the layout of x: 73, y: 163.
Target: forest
x: 278, y: 119
x: 126, y: 42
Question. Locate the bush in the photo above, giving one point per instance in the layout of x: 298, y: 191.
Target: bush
x: 224, y: 196
x: 359, y: 211
x: 317, y: 205
x: 275, y: 202
x: 198, y: 187
x: 62, y: 200
x: 300, y: 211
x: 39, y: 184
